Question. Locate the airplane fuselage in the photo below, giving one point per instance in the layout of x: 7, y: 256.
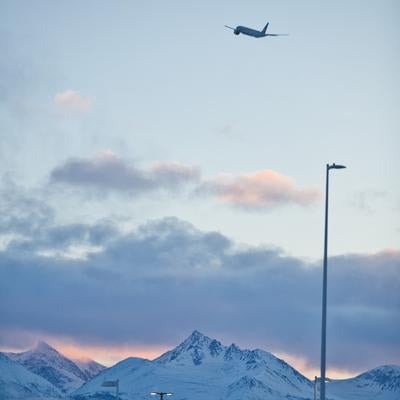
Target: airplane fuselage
x: 248, y: 31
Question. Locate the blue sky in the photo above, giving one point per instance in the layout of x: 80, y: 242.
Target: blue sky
x: 130, y: 112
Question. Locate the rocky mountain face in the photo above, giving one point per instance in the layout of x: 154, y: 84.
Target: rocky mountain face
x: 90, y: 368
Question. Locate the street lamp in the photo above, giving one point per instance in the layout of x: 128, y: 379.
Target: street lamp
x: 161, y: 394
x: 324, y: 284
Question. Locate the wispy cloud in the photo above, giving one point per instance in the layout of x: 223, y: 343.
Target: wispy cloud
x: 367, y: 201
x: 173, y: 173
x: 107, y: 172
x: 260, y: 190
x: 22, y: 213
x: 70, y: 101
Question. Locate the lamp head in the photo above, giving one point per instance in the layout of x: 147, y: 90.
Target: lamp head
x: 160, y: 394
x: 336, y: 166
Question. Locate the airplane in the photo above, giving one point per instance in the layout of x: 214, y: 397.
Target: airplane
x: 253, y: 32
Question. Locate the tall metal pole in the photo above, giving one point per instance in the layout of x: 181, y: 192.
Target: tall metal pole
x: 324, y: 290
x: 324, y: 285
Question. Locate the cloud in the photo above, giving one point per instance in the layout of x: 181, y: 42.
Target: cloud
x: 168, y: 273
x: 109, y: 173
x: 173, y: 173
x: 366, y: 201
x: 256, y: 191
x: 22, y: 213
x: 71, y: 101
x: 260, y: 190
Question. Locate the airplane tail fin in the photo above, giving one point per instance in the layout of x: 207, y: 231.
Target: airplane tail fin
x: 265, y: 28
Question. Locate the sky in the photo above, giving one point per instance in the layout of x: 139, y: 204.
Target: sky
x: 160, y: 174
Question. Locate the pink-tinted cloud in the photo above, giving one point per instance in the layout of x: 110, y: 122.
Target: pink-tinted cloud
x: 72, y: 102
x: 303, y: 364
x: 106, y: 355
x: 107, y: 172
x: 260, y: 190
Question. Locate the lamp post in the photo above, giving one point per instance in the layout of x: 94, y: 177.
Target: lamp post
x: 324, y: 284
x: 161, y: 394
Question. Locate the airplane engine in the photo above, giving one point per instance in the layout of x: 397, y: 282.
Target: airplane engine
x: 236, y: 32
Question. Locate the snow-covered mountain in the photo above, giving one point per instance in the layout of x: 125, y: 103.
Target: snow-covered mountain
x: 381, y: 383
x: 89, y: 367
x: 201, y: 368
x: 17, y: 383
x: 48, y: 363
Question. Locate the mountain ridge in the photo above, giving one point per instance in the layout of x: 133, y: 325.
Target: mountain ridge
x: 45, y: 361
x: 197, y: 368
x: 198, y: 365
x: 201, y: 367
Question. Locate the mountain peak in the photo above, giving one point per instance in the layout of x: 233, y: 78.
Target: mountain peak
x: 232, y: 351
x: 44, y: 347
x: 195, y: 348
x: 195, y: 340
x: 384, y: 377
x: 47, y: 362
x: 197, y: 337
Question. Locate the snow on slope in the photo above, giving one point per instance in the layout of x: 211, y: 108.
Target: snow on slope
x: 129, y: 372
x: 16, y: 382
x: 89, y: 367
x: 47, y: 362
x: 233, y: 361
x: 381, y: 383
x: 202, y: 368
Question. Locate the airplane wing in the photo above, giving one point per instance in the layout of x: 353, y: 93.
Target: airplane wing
x: 226, y: 26
x: 276, y: 34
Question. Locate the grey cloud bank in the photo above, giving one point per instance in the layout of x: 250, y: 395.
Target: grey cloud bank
x: 168, y: 274
x: 109, y: 173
